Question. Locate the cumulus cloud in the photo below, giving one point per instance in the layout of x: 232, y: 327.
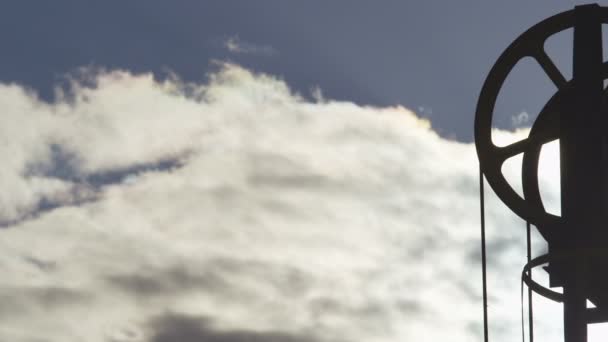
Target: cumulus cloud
x: 138, y: 210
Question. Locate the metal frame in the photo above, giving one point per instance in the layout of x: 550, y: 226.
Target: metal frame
x: 576, y: 115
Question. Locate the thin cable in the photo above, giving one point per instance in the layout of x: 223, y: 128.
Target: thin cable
x: 530, y: 311
x: 483, y: 256
x: 521, y: 303
x: 521, y: 289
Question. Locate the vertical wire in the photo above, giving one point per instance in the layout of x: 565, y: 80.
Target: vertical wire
x: 521, y: 302
x: 483, y: 256
x: 530, y: 312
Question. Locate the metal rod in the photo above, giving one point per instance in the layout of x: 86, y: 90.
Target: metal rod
x: 530, y: 312
x: 484, y: 284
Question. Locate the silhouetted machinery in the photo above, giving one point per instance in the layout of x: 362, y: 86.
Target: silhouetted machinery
x: 577, y: 116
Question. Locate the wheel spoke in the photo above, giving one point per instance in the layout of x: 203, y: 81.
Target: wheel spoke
x: 550, y: 69
x: 548, y: 133
x: 515, y: 148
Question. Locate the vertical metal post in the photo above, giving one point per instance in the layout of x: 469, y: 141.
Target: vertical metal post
x: 583, y: 165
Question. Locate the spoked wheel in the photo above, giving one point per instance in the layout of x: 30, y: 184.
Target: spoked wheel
x: 545, y: 129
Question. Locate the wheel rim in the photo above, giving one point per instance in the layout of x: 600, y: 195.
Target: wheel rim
x: 492, y: 157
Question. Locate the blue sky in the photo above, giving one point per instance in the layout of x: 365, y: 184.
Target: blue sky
x: 259, y: 170
x: 431, y: 55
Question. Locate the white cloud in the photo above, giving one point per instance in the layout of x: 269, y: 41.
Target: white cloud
x: 235, y: 45
x: 237, y: 208
x: 520, y: 119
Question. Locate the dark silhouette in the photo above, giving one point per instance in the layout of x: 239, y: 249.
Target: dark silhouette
x: 577, y: 115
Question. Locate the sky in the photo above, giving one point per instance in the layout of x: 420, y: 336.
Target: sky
x: 261, y: 171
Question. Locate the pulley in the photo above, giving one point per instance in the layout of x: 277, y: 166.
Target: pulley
x: 576, y: 115
x: 545, y: 129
